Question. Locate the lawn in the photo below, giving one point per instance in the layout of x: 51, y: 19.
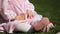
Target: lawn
x: 50, y: 9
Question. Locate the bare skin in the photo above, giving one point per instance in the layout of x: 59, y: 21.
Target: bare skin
x: 41, y: 24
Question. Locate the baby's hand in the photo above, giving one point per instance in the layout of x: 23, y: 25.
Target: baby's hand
x: 20, y: 17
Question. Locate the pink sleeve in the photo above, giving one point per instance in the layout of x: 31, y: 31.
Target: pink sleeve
x: 29, y: 5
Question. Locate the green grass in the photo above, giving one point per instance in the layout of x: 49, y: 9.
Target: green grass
x: 50, y: 9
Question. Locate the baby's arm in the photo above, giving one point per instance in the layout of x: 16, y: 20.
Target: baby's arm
x: 30, y: 7
x: 4, y: 7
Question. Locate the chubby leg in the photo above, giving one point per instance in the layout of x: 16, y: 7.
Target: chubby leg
x: 41, y: 24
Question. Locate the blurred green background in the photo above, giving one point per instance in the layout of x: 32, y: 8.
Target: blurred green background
x: 50, y: 9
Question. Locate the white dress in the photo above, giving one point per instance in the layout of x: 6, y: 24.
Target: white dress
x: 14, y: 7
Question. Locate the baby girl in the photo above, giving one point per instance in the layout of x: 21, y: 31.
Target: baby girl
x: 22, y: 11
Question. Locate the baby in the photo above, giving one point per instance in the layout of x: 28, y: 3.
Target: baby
x: 22, y: 11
